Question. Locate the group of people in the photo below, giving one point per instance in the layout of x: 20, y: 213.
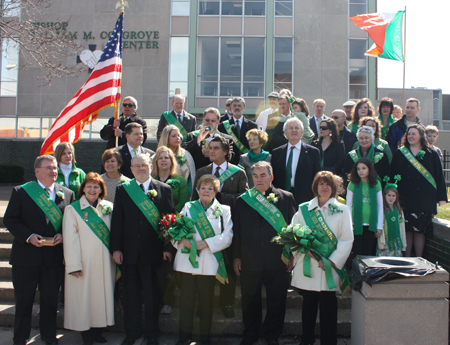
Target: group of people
x: 228, y: 187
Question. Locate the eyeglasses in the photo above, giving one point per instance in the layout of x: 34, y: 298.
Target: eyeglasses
x: 143, y: 166
x: 210, y: 120
x: 324, y: 128
x: 336, y: 117
x: 49, y: 168
x: 228, y: 104
x: 128, y: 105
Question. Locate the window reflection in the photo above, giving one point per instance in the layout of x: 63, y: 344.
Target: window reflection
x: 10, y: 62
x: 207, y: 66
x: 8, y: 128
x: 255, y: 8
x: 283, y: 8
x: 283, y: 63
x: 231, y: 7
x: 357, y: 68
x: 209, y: 7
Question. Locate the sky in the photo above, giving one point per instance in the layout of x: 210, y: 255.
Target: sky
x: 427, y: 46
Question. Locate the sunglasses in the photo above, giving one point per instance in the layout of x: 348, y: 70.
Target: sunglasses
x: 228, y: 104
x: 324, y: 128
x: 336, y: 117
x: 128, y: 105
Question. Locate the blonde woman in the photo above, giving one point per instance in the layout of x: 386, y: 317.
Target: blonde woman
x: 69, y: 175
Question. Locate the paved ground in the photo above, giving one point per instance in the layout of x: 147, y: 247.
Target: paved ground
x: 74, y: 338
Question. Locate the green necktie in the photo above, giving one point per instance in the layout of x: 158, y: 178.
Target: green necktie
x: 217, y: 174
x: 287, y: 182
x: 135, y: 151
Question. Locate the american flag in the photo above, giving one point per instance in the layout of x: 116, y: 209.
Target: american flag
x: 101, y: 90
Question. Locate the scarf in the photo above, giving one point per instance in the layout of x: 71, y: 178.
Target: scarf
x: 385, y: 128
x: 393, y: 226
x: 370, y: 153
x: 357, y: 208
x: 256, y: 158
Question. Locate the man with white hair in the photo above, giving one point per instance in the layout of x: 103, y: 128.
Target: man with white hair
x: 116, y: 127
x: 295, y: 164
x: 138, y: 249
x: 179, y: 117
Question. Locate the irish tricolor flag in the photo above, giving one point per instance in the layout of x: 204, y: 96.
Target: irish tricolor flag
x: 385, y: 29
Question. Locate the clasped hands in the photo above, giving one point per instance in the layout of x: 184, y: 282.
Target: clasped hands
x: 37, y: 240
x: 321, y: 265
x: 200, y: 244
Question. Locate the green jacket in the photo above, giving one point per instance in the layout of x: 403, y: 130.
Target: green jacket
x: 75, y: 178
x: 180, y: 191
x: 382, y: 145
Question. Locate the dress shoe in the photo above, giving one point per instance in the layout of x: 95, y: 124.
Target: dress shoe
x: 49, y: 341
x: 100, y: 339
x: 228, y: 312
x: 152, y: 341
x: 128, y: 341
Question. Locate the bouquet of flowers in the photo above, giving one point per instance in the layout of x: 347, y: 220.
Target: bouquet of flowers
x: 167, y: 221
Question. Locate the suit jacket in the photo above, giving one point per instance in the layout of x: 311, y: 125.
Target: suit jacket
x: 246, y: 126
x: 307, y: 167
x: 333, y: 157
x: 125, y: 169
x: 189, y: 123
x: 253, y: 234
x: 196, y: 151
x: 132, y: 233
x: 232, y: 187
x: 312, y: 125
x: 23, y: 217
x: 348, y: 137
x: 226, y: 117
x: 107, y: 132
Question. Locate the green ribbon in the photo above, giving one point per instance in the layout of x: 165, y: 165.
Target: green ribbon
x: 269, y: 212
x: 45, y: 203
x: 419, y: 167
x: 171, y: 119
x: 206, y: 230
x: 229, y: 172
x: 184, y: 228
x: 236, y: 141
x: 328, y: 244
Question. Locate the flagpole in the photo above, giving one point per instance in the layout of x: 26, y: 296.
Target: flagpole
x: 404, y: 65
x: 121, y: 4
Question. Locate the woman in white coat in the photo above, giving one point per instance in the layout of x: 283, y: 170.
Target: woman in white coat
x: 90, y: 269
x: 315, y: 289
x: 213, y: 233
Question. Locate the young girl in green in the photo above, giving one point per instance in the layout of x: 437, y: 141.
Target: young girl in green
x: 365, y: 199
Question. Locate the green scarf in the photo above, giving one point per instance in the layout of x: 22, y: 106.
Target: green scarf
x: 357, y: 209
x: 370, y: 153
x: 385, y: 128
x: 393, y: 226
x: 256, y: 158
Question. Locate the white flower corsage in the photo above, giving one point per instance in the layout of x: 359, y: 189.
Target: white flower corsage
x: 334, y: 209
x: 272, y: 198
x: 123, y: 180
x: 60, y: 195
x: 76, y: 172
x: 152, y: 193
x: 106, y: 209
x: 377, y: 157
x: 218, y: 211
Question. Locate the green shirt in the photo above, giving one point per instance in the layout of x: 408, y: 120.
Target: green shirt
x: 365, y: 199
x: 180, y: 192
x: 76, y: 176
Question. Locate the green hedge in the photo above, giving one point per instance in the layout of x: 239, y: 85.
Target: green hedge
x: 10, y: 173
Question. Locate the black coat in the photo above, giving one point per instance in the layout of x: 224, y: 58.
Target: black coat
x: 189, y: 123
x: 416, y: 193
x: 132, y: 233
x: 246, y: 126
x: 107, y: 132
x: 253, y: 234
x: 312, y: 125
x: 348, y: 137
x: 334, y: 156
x: 22, y: 218
x: 307, y: 167
x: 125, y: 169
x: 226, y: 117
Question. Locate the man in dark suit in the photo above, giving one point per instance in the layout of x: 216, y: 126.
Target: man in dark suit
x: 319, y: 109
x: 197, y: 142
x: 187, y: 120
x: 33, y: 262
x: 134, y: 135
x: 347, y: 136
x: 115, y: 127
x: 229, y: 190
x: 241, y: 124
x: 139, y: 251
x: 228, y: 116
x: 295, y: 164
x: 259, y: 262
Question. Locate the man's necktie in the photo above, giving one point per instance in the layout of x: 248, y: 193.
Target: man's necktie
x: 287, y: 182
x: 135, y: 151
x: 48, y: 191
x: 217, y: 173
x: 179, y: 118
x: 238, y: 128
x: 142, y: 187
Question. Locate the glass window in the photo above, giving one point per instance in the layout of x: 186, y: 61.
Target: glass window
x: 209, y: 7
x: 28, y: 127
x: 230, y: 59
x: 357, y: 69
x: 47, y: 123
x: 283, y: 8
x: 283, y: 63
x: 231, y: 7
x: 254, y: 50
x: 11, y: 8
x: 96, y: 127
x: 10, y: 62
x: 179, y: 58
x: 8, y: 127
x: 207, y: 66
x: 255, y: 8
x: 180, y: 8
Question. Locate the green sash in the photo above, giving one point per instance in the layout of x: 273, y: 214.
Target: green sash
x: 314, y: 219
x: 45, y: 203
x: 269, y: 212
x: 206, y: 231
x: 228, y: 173
x: 171, y: 119
x: 416, y: 164
x: 144, y: 204
x: 354, y: 155
x: 97, y: 225
x: 235, y: 138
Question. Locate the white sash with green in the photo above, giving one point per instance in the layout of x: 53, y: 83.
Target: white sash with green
x: 145, y: 205
x: 97, y: 225
x: 416, y: 164
x: 171, y: 119
x: 314, y: 219
x: 229, y: 172
x: 235, y: 138
x: 206, y: 230
x: 45, y: 203
x: 353, y: 155
x: 269, y: 212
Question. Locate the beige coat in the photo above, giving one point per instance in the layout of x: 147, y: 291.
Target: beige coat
x: 89, y: 300
x: 341, y: 226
